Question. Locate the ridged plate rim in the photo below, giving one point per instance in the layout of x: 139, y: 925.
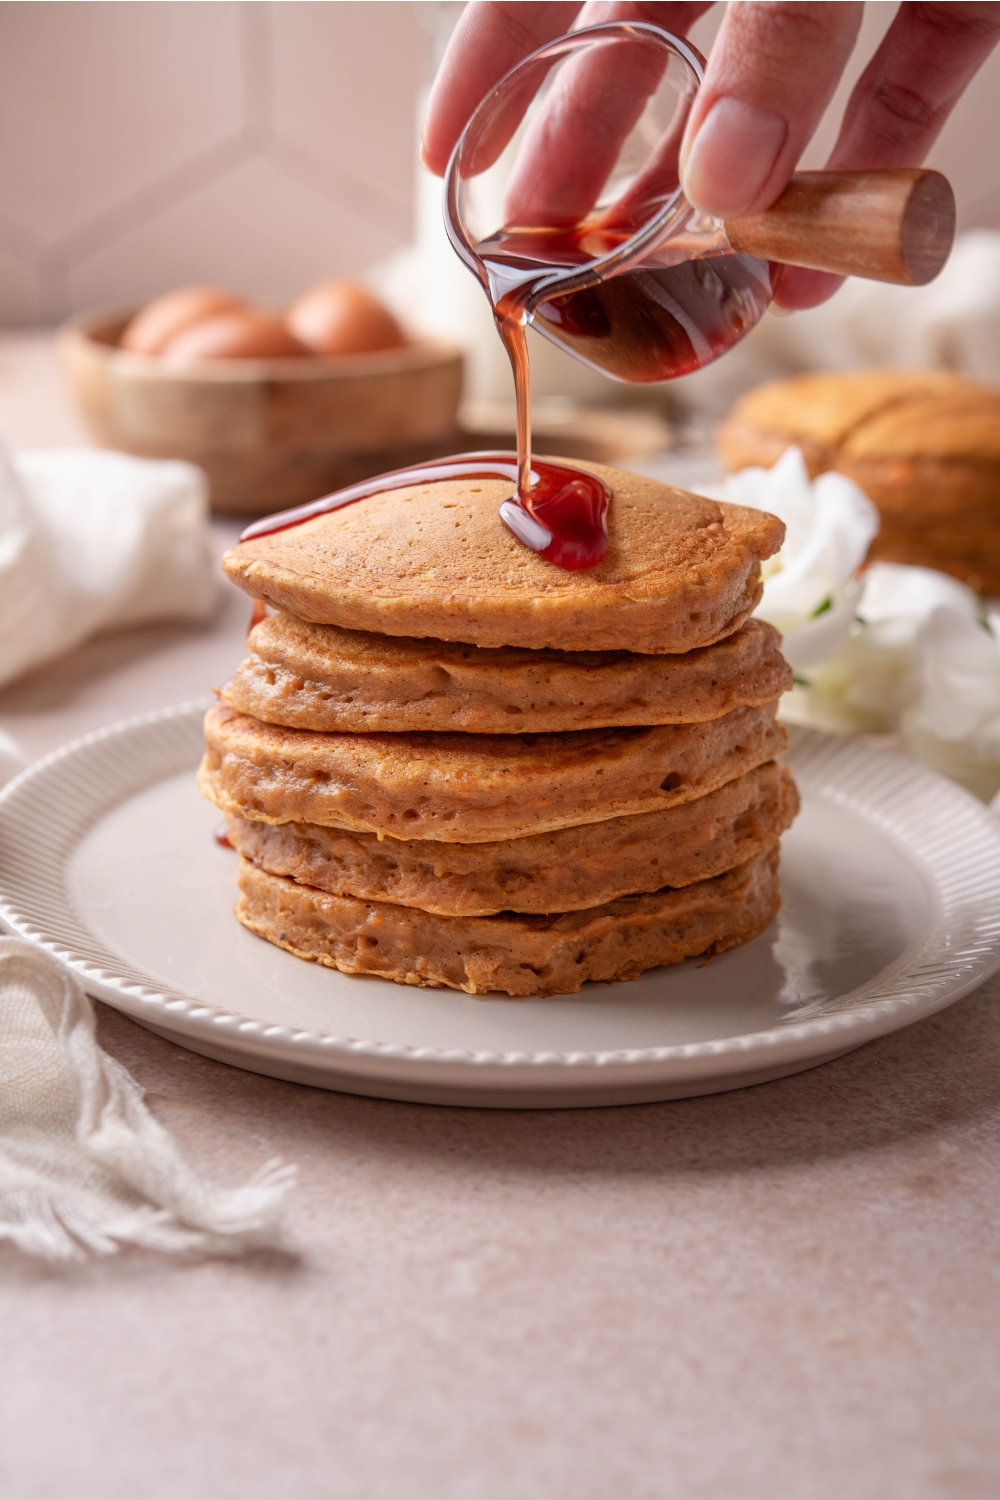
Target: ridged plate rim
x: 953, y: 838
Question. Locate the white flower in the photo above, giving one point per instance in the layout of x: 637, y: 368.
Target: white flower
x: 811, y: 589
x: 865, y: 685
x: 954, y: 721
x: 898, y: 650
x: 922, y: 661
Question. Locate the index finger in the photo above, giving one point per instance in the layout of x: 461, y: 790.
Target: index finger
x: 490, y: 39
x: 572, y: 145
x: 770, y: 76
x: 900, y: 104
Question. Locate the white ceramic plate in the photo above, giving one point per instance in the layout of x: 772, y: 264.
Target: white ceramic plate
x: 891, y: 878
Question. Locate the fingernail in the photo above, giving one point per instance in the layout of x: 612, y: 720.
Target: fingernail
x: 731, y: 157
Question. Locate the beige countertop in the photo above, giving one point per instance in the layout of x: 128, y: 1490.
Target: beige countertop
x: 792, y: 1290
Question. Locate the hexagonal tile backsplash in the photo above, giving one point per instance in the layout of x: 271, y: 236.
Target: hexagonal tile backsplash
x: 263, y: 145
x: 143, y: 145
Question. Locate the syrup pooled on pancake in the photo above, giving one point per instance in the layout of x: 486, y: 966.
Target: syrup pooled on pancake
x: 565, y: 519
x: 429, y: 560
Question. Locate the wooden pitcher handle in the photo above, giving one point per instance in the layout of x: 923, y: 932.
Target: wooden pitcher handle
x: 889, y: 225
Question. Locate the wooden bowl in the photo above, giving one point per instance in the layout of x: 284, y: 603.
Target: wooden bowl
x: 270, y: 433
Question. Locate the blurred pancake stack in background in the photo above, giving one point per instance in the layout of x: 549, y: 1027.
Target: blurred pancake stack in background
x: 924, y: 445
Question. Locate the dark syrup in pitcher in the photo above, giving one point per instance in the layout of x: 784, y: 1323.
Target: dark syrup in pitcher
x: 648, y: 324
x: 652, y: 323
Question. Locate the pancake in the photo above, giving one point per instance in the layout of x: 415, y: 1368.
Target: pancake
x: 517, y: 955
x: 924, y: 445
x: 469, y: 789
x: 435, y: 560
x: 819, y: 413
x: 549, y: 872
x: 322, y: 677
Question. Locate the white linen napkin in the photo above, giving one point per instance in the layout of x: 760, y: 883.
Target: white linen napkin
x: 83, y: 1164
x: 91, y: 541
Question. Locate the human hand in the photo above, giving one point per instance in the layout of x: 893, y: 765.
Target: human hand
x: 771, y: 74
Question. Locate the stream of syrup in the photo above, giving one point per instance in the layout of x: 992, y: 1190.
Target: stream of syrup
x: 652, y: 323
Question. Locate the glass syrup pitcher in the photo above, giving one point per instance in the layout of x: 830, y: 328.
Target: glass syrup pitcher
x: 563, y: 197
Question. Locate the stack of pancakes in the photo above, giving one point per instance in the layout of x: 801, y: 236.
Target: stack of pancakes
x: 447, y: 762
x: 923, y: 444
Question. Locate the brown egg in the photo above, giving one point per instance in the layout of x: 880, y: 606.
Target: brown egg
x: 159, y: 321
x: 342, y: 317
x: 244, y: 334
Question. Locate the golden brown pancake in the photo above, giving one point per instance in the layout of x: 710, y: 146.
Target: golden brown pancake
x: 517, y: 955
x: 820, y: 412
x: 471, y: 789
x: 925, y: 445
x: 435, y: 560
x: 321, y: 677
x: 548, y: 872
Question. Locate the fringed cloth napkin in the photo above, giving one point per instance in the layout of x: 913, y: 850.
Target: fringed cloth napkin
x: 83, y: 1164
